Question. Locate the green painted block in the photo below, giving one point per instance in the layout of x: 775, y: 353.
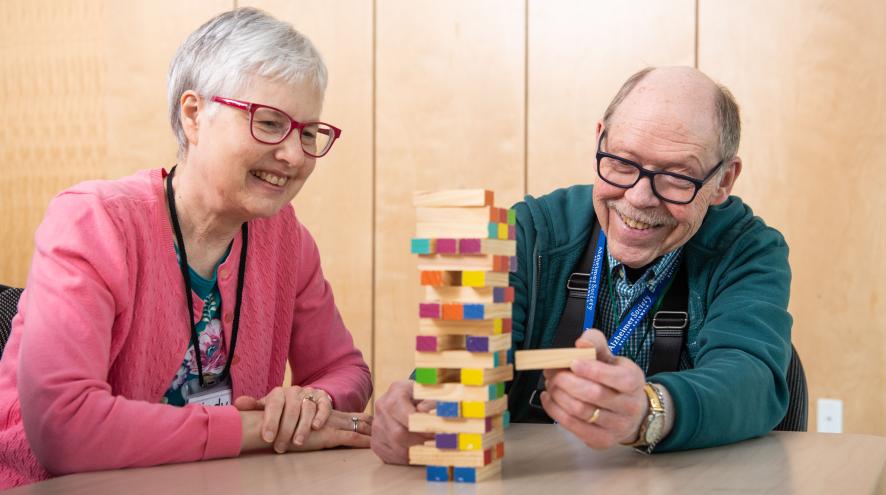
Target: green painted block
x: 426, y: 376
x: 512, y: 217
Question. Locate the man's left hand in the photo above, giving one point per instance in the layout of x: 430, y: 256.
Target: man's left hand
x: 600, y: 400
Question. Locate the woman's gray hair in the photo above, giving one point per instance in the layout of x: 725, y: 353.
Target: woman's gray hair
x: 220, y: 57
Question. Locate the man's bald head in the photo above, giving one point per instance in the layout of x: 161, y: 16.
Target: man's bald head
x: 686, y: 97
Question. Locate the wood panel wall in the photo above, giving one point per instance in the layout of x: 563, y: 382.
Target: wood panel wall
x: 501, y: 94
x: 810, y: 77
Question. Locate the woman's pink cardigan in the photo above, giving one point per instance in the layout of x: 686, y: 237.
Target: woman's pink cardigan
x: 102, y: 328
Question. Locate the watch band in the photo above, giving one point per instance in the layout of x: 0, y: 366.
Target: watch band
x: 657, y: 413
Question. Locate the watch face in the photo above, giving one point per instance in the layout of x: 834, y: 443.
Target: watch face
x: 653, y: 431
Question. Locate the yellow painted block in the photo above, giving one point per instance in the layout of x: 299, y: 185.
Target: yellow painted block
x: 502, y: 231
x: 472, y: 376
x: 470, y: 441
x: 497, y: 326
x: 473, y: 279
x: 471, y: 409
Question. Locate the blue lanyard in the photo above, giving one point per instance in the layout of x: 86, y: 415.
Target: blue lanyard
x: 638, y: 311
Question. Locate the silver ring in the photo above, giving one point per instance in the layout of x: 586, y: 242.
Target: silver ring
x: 356, y: 422
x: 309, y: 397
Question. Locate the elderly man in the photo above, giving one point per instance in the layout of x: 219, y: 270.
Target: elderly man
x: 656, y: 245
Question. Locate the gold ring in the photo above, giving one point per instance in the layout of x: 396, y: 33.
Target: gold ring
x: 594, y: 417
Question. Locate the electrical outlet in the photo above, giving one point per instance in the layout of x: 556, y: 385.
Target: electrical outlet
x: 830, y: 416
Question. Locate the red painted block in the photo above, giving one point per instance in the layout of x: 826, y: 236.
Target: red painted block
x: 447, y: 246
x: 429, y: 310
x: 487, y: 456
x: 453, y: 311
x: 426, y: 343
x: 470, y: 246
x: 506, y: 325
x: 500, y: 450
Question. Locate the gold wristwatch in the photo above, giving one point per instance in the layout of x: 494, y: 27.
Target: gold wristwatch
x: 652, y: 429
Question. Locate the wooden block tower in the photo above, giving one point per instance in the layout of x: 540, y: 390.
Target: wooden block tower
x: 466, y: 248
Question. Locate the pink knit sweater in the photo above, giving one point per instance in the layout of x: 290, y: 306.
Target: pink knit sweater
x: 102, y: 328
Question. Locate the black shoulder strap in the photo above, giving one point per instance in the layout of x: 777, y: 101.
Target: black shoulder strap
x: 670, y: 325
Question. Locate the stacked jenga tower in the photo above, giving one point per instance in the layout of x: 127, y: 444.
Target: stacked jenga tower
x: 466, y: 249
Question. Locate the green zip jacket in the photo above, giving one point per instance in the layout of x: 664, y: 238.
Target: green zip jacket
x: 740, y: 330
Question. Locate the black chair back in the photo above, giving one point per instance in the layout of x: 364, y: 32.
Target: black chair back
x: 797, y: 417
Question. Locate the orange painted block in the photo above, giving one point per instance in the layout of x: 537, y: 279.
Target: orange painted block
x: 453, y: 311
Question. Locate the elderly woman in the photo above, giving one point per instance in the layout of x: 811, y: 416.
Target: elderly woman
x: 130, y: 276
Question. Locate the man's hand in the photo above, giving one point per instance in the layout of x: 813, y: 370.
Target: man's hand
x: 391, y: 438
x: 600, y: 400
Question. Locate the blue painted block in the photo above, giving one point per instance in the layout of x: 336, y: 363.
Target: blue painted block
x: 511, y: 355
x: 474, y: 343
x: 464, y: 474
x: 446, y: 440
x: 506, y: 419
x: 422, y: 246
x: 447, y: 409
x: 438, y: 473
x: 473, y: 311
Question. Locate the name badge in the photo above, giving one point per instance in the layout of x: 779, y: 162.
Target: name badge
x: 216, y: 395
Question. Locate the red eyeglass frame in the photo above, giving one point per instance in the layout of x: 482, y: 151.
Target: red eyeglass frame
x: 293, y: 124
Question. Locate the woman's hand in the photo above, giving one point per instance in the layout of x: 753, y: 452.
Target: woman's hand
x: 290, y: 413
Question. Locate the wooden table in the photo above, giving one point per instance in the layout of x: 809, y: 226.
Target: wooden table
x: 539, y: 460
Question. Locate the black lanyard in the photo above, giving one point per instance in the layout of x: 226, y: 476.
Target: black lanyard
x: 183, y: 264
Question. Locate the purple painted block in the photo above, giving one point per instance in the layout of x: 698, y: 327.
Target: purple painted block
x: 488, y: 424
x: 513, y: 264
x: 477, y: 344
x: 512, y: 232
x: 426, y: 343
x: 447, y: 246
x: 429, y: 310
x: 470, y: 246
x: 447, y: 440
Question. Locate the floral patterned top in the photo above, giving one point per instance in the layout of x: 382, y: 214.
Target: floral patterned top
x: 213, y: 352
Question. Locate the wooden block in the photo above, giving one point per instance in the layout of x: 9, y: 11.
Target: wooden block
x: 481, y: 376
x: 483, y: 409
x: 444, y: 473
x: 448, y: 440
x: 487, y: 343
x: 423, y: 246
x: 495, y: 326
x: 483, y: 279
x: 431, y: 423
x: 453, y: 197
x: 474, y: 474
x: 457, y: 229
x: 541, y: 359
x: 437, y: 278
x: 435, y: 343
x: 469, y: 262
x: 457, y: 392
x: 447, y: 215
x: 502, y: 247
x: 469, y: 294
x: 429, y: 454
x: 460, y: 311
x: 432, y: 376
x: 460, y: 359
